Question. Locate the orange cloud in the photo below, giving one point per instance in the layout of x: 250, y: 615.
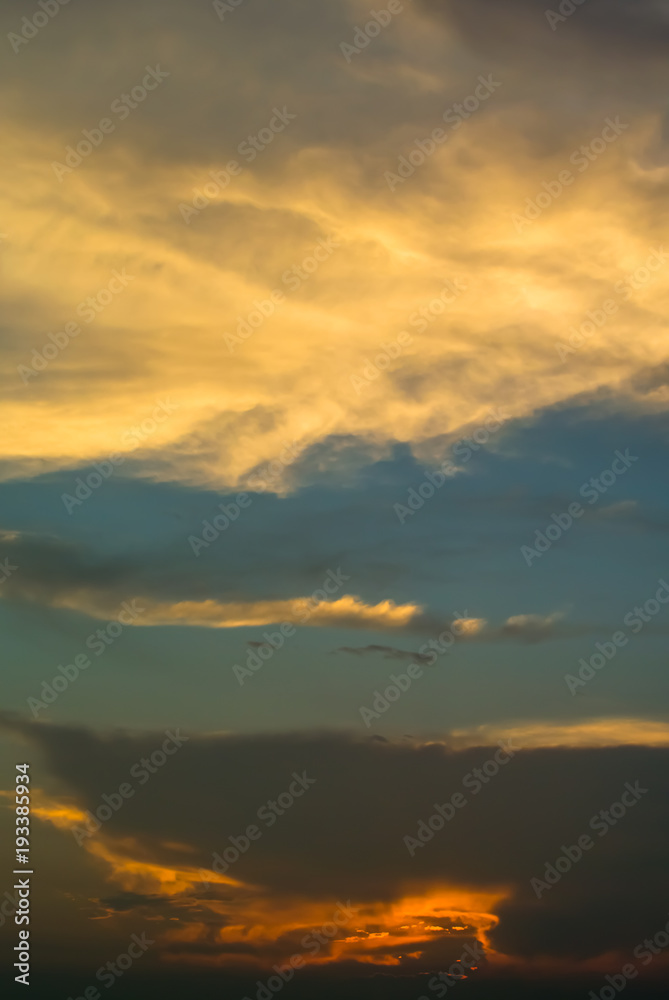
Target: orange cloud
x: 346, y: 612
x: 382, y: 934
x: 609, y: 732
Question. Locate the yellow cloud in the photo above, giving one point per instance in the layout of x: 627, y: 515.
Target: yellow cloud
x: 346, y: 612
x: 466, y: 628
x: 290, y: 375
x: 586, y: 733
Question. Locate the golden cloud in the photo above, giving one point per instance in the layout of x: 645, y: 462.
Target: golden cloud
x: 345, y: 612
x: 608, y: 732
x: 483, y: 306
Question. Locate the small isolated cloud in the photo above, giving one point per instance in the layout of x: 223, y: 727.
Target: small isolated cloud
x: 531, y: 628
x: 387, y: 652
x: 621, y: 509
x: 124, y: 901
x: 467, y: 628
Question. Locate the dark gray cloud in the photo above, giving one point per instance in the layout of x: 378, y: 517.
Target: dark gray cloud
x: 605, y: 58
x: 611, y: 53
x: 387, y: 652
x: 123, y: 901
x: 368, y: 796
x: 210, y: 102
x: 632, y: 30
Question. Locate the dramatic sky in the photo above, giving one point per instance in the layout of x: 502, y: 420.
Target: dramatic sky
x: 323, y: 338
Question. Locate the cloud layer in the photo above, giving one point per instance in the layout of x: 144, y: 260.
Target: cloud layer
x: 483, y: 306
x: 360, y: 801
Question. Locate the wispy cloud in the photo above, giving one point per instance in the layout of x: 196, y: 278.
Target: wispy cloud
x: 387, y: 652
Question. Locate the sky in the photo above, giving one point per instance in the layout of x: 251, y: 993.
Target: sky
x: 332, y: 496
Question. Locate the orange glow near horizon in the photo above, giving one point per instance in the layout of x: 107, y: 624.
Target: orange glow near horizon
x: 401, y: 926
x: 400, y: 929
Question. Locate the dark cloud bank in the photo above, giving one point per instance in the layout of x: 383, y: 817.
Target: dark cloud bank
x: 345, y: 837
